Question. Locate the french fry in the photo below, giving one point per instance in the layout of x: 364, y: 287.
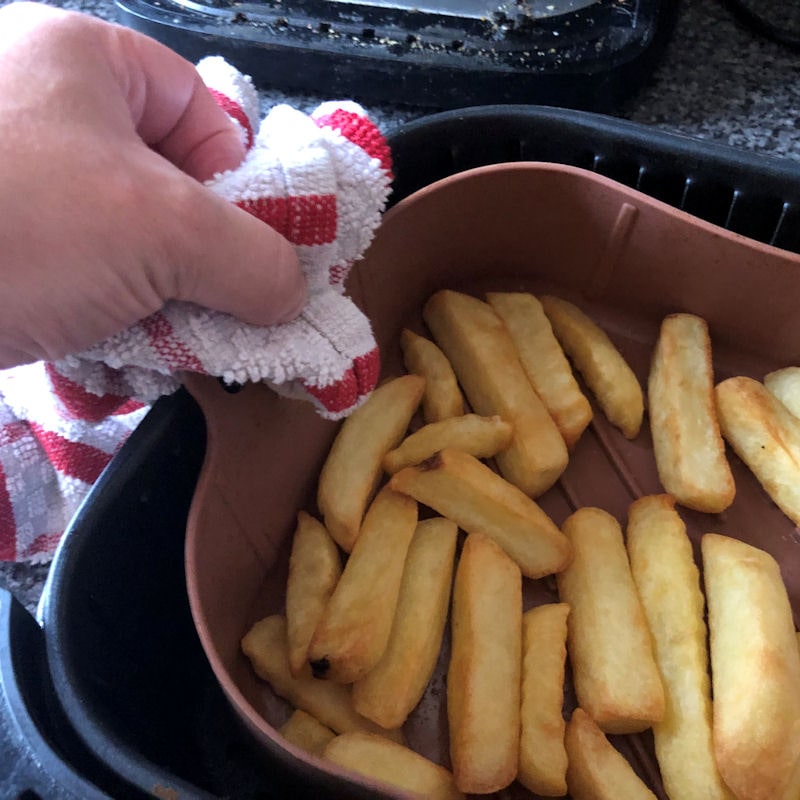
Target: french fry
x: 306, y: 732
x: 353, y: 632
x: 544, y: 361
x: 479, y: 436
x: 265, y: 646
x: 597, y: 770
x: 483, y: 355
x: 389, y: 692
x: 595, y: 356
x: 352, y: 470
x: 614, y: 671
x: 542, y: 754
x: 483, y: 678
x: 314, y: 570
x: 391, y: 763
x: 687, y: 443
x: 785, y: 385
x: 766, y: 436
x: 668, y: 583
x: 442, y: 398
x: 465, y: 490
x: 755, y: 667
x: 792, y: 791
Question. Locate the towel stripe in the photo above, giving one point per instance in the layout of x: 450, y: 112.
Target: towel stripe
x: 75, y: 459
x: 304, y: 220
x: 80, y: 403
x: 356, y: 383
x: 174, y: 353
x: 42, y: 545
x: 362, y: 132
x: 234, y: 110
x: 8, y: 526
x: 12, y: 432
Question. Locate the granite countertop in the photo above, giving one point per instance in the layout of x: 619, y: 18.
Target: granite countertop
x: 716, y: 81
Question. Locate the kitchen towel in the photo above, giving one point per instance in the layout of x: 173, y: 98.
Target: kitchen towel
x: 322, y: 180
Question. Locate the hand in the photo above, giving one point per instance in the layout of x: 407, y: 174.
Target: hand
x: 105, y: 137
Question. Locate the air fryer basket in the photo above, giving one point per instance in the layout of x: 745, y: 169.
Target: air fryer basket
x: 127, y: 666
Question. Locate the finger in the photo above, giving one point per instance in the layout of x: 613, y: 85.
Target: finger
x: 172, y: 109
x: 224, y: 258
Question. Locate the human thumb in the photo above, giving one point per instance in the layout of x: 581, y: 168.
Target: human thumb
x: 223, y: 258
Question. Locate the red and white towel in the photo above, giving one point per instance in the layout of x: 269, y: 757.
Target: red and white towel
x: 321, y: 180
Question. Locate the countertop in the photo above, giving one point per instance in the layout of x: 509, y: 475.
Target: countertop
x: 717, y: 81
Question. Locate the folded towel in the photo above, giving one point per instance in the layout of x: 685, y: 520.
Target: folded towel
x: 322, y: 181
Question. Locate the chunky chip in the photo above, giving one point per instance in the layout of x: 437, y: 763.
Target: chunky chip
x: 314, y: 569
x: 688, y: 446
x: 265, y: 646
x: 614, y: 670
x: 597, y: 770
x: 542, y: 754
x: 595, y: 356
x: 544, y: 361
x: 755, y: 667
x: 785, y: 385
x: 306, y: 732
x: 462, y: 488
x: 389, y: 691
x: 482, y: 437
x: 442, y: 398
x: 354, y: 629
x: 766, y: 436
x: 668, y: 582
x: 483, y: 355
x: 391, y: 763
x: 483, y: 678
x: 352, y: 471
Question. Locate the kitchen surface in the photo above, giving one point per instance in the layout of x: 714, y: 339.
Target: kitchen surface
x: 123, y: 690
x: 717, y: 81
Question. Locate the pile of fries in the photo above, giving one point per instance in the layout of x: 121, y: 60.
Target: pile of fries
x: 427, y: 513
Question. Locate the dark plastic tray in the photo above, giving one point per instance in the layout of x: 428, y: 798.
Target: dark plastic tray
x: 592, y: 59
x: 126, y: 664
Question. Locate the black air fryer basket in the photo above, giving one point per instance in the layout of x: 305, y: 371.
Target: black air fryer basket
x: 113, y: 697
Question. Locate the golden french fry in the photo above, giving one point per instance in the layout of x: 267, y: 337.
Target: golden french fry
x: 483, y: 355
x: 785, y: 385
x: 463, y: 489
x: 766, y: 436
x: 614, y: 670
x: 352, y: 470
x: 314, y: 569
x: 755, y: 666
x: 388, y: 693
x: 544, y: 361
x: 597, y: 770
x: 792, y: 791
x: 306, y: 732
x: 353, y: 632
x: 442, y: 398
x: 595, y: 356
x: 479, y: 436
x: 483, y: 678
x: 542, y: 754
x: 668, y: 583
x: 391, y: 763
x: 688, y: 445
x: 331, y: 703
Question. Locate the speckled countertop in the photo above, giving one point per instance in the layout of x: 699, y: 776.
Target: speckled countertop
x: 717, y: 81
